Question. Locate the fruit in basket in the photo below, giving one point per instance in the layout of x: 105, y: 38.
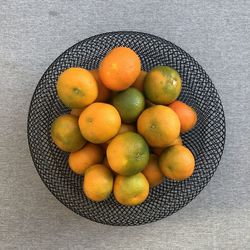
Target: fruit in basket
x: 162, y: 85
x: 186, y: 114
x: 139, y: 82
x: 89, y: 155
x: 177, y: 141
x: 119, y: 68
x: 128, y: 153
x: 98, y: 182
x: 122, y: 113
x: 99, y: 122
x: 177, y: 162
x: 129, y: 103
x: 152, y: 171
x: 66, y: 134
x: 76, y: 88
x: 131, y: 190
x: 159, y: 125
x: 103, y: 92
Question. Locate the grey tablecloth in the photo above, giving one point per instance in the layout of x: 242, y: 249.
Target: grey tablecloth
x: 33, y: 33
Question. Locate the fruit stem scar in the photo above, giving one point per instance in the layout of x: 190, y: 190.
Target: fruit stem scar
x: 77, y: 91
x: 153, y: 126
x: 89, y: 119
x: 137, y: 156
x: 170, y: 167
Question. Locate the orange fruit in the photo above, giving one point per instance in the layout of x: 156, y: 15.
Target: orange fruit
x: 131, y: 190
x: 177, y: 141
x: 99, y: 122
x: 76, y: 88
x: 98, y: 182
x: 186, y: 114
x: 177, y: 162
x: 162, y: 85
x: 159, y: 125
x: 128, y: 153
x: 66, y: 134
x: 120, y: 68
x: 76, y: 112
x: 152, y: 171
x: 103, y: 92
x: 89, y: 155
x: 140, y: 80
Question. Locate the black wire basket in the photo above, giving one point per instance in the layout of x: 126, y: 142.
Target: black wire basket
x: 206, y: 140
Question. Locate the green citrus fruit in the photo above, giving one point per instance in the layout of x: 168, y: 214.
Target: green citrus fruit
x: 66, y: 133
x: 162, y: 85
x: 131, y: 190
x: 128, y: 153
x: 129, y: 103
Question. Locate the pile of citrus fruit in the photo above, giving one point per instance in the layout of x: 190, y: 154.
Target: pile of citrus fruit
x: 123, y: 131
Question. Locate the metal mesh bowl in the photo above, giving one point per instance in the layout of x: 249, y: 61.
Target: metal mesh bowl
x: 206, y: 140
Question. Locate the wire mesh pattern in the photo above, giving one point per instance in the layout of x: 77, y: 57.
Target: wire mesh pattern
x: 206, y: 140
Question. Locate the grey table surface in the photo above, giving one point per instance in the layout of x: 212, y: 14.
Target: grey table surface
x: 33, y: 33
